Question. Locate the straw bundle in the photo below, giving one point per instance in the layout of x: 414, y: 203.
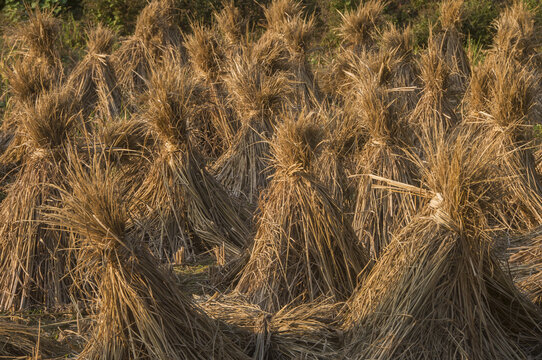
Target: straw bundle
x: 141, y: 314
x: 517, y: 35
x: 204, y: 52
x: 380, y: 211
x: 24, y: 342
x: 286, y: 21
x: 230, y: 26
x: 272, y: 54
x: 154, y: 34
x: 381, y: 68
x: 35, y: 258
x: 212, y: 126
x: 392, y: 65
x: 527, y: 261
x: 94, y: 78
x: 448, y: 41
x: 218, y: 126
x: 501, y: 102
x: 27, y: 78
x: 438, y: 291
x: 434, y: 114
x: 285, y: 18
x: 38, y: 38
x: 351, y: 65
x: 304, y: 247
x: 307, y: 331
x: 359, y: 27
x: 126, y: 141
x: 344, y: 139
x: 279, y: 11
x: 404, y: 73
x: 36, y: 68
x: 178, y: 189
x: 257, y: 97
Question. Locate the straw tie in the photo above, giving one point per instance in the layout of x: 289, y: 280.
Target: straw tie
x: 440, y: 216
x: 378, y: 142
x: 169, y: 147
x: 39, y: 153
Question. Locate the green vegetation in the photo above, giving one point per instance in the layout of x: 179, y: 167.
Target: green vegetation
x: 121, y: 15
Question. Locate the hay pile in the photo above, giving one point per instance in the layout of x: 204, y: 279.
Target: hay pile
x: 501, y: 99
x: 179, y: 192
x: 258, y: 98
x: 33, y: 68
x: 359, y: 27
x: 155, y: 33
x: 379, y: 211
x: 434, y: 115
x: 304, y: 247
x: 24, y: 342
x: 141, y: 314
x: 307, y: 331
x: 450, y: 48
x: 438, y: 291
x: 94, y: 78
x: 287, y: 23
x: 35, y: 258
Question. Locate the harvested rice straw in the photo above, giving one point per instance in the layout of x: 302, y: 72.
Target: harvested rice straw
x: 527, y: 260
x: 286, y: 21
x: 181, y: 195
x: 304, y: 247
x: 155, y: 33
x: 450, y: 47
x: 94, y: 77
x: 24, y: 342
x: 35, y: 258
x: 517, y: 35
x: 258, y: 98
x: 359, y: 27
x: 329, y: 166
x: 271, y: 53
x: 34, y: 68
x: 127, y: 142
x: 380, y: 211
x: 383, y: 64
x: 208, y: 61
x: 440, y: 271
x: 141, y: 314
x: 231, y: 27
x: 403, y: 72
x: 306, y: 331
x: 38, y: 37
x: 501, y: 98
x: 434, y: 114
